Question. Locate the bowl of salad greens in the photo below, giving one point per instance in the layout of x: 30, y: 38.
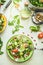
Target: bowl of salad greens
x: 2, y: 2
x: 3, y: 22
x: 38, y: 4
x: 20, y: 48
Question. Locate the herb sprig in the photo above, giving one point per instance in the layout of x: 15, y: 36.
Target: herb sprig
x: 35, y: 28
x: 2, y: 2
x: 16, y: 1
x: 1, y: 44
x: 15, y: 23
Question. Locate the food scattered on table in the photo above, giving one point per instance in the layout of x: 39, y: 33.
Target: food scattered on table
x: 20, y: 48
x: 1, y: 44
x: 3, y: 22
x: 38, y: 18
x: 15, y: 23
x: 40, y: 35
x: 35, y: 28
x: 38, y: 49
x: 34, y: 40
x: 32, y: 37
x: 38, y: 3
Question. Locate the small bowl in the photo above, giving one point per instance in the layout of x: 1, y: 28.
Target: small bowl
x: 5, y: 22
x: 38, y: 11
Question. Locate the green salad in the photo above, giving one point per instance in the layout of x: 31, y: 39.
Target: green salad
x: 2, y: 2
x: 20, y: 48
x: 36, y: 3
x: 1, y: 23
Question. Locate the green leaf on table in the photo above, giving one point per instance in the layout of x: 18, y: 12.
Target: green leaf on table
x: 21, y: 26
x: 16, y: 1
x: 11, y: 23
x: 1, y: 43
x: 15, y: 17
x: 35, y: 28
x: 15, y: 23
x: 16, y: 29
x: 18, y: 21
x: 13, y: 31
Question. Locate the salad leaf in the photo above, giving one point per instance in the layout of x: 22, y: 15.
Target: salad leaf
x: 16, y: 24
x: 15, y: 17
x: 18, y: 21
x: 1, y: 52
x: 1, y: 23
x: 1, y: 44
x: 2, y: 2
x: 16, y: 1
x: 11, y: 23
x: 21, y: 26
x: 35, y: 28
x: 38, y: 3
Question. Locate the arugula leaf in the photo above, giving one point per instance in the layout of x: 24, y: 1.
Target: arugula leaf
x: 16, y: 29
x: 1, y: 44
x: 18, y: 21
x: 2, y: 2
x: 1, y: 52
x: 17, y: 26
x: 10, y: 23
x: 21, y: 26
x: 15, y: 17
x: 35, y: 28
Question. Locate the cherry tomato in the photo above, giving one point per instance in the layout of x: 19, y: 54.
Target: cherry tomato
x: 15, y: 50
x: 40, y: 35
